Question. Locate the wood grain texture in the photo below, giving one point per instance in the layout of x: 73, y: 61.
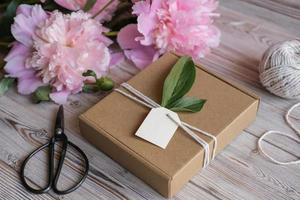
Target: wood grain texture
x: 239, y: 172
x: 10, y: 188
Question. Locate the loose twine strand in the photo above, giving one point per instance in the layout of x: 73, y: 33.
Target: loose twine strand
x: 139, y: 97
x: 292, y: 125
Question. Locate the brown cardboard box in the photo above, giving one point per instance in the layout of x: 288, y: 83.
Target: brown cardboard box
x: 111, y: 124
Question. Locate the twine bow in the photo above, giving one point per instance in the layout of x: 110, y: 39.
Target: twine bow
x: 139, y: 97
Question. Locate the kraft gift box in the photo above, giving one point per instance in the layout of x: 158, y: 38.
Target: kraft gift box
x: 110, y: 125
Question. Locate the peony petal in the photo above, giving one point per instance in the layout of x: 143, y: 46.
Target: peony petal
x: 26, y: 21
x: 215, y: 35
x: 18, y: 49
x: 116, y: 58
x: 24, y: 9
x: 147, y: 18
x: 38, y: 15
x: 28, y: 85
x: 107, y: 13
x: 60, y: 97
x: 140, y: 7
x: 21, y: 31
x: 127, y: 37
x: 16, y: 68
x: 142, y: 57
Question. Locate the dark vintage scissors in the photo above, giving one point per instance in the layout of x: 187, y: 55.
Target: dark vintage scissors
x: 53, y: 175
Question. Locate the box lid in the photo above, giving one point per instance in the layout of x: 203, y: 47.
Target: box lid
x: 120, y: 117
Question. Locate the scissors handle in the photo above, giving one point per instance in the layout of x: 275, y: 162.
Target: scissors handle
x: 50, y: 169
x: 60, y: 164
x: 54, y: 176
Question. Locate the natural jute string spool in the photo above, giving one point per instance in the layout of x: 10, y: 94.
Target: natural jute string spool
x: 280, y: 74
x: 280, y: 69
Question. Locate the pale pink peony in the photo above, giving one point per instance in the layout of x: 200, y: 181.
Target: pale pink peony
x: 56, y: 49
x: 183, y: 26
x: 105, y: 15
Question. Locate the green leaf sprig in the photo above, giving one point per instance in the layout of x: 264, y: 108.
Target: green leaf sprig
x: 103, y: 83
x: 5, y: 84
x: 179, y: 82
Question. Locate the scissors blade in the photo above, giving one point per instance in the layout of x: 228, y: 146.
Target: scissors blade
x: 59, y: 124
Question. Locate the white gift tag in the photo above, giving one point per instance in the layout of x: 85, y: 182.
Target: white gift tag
x: 157, y: 127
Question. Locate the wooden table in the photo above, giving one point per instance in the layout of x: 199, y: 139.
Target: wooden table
x: 239, y: 172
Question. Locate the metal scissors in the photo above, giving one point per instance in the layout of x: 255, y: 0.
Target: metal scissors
x: 53, y: 175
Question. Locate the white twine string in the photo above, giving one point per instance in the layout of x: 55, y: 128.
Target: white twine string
x: 146, y: 101
x: 289, y: 122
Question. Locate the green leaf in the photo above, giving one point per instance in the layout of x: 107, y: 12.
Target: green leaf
x: 105, y: 83
x: 5, y: 84
x: 88, y: 88
x: 90, y: 73
x: 11, y: 8
x: 42, y: 94
x: 89, y: 4
x: 8, y: 17
x: 179, y: 81
x: 188, y: 104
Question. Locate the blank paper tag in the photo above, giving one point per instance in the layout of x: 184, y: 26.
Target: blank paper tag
x: 157, y: 127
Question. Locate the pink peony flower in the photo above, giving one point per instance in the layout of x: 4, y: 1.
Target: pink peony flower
x: 105, y: 15
x: 56, y: 49
x: 182, y: 26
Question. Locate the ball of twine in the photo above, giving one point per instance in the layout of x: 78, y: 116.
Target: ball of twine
x: 279, y: 69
